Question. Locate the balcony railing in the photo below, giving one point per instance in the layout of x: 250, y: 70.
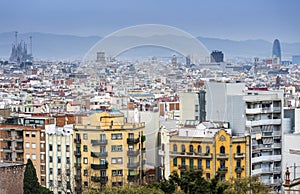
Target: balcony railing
x: 98, y: 142
x: 132, y: 178
x: 99, y: 154
x: 100, y: 179
x: 222, y: 156
x: 99, y: 166
x: 192, y: 154
x: 78, y: 165
x: 223, y: 169
x: 143, y: 150
x: 77, y: 153
x: 77, y: 177
x: 239, y: 169
x: 133, y: 165
x: 133, y: 141
x: 133, y: 153
x: 77, y: 141
x: 239, y: 155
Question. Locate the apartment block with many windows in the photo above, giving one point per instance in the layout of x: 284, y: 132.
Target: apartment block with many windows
x: 108, y: 151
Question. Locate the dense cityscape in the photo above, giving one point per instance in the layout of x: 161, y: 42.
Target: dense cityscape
x: 161, y: 122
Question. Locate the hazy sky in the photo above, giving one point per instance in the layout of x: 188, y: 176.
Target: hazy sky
x: 229, y: 19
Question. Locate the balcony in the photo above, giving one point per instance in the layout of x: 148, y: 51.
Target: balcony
x: 143, y: 150
x: 239, y: 169
x: 77, y: 177
x: 133, y: 153
x: 239, y: 155
x: 99, y: 166
x: 77, y: 153
x: 19, y: 149
x: 99, y: 179
x: 19, y: 139
x: 133, y: 165
x: 6, y: 149
x: 99, y: 142
x: 78, y: 165
x: 222, y: 156
x: 133, y: 141
x: 253, y: 110
x: 77, y: 141
x: 78, y: 189
x: 263, y: 122
x: 132, y: 178
x: 223, y: 169
x: 182, y: 167
x: 99, y: 154
x: 7, y: 138
x: 269, y: 158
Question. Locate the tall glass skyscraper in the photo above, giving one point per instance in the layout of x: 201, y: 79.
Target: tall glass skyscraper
x: 276, y: 50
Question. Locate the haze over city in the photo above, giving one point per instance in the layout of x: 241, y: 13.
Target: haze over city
x: 232, y: 19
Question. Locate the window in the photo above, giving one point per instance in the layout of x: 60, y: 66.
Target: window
x: 119, y: 135
x: 42, y: 146
x: 42, y: 157
x: 182, y: 161
x: 86, y: 184
x: 117, y: 172
x: 27, y: 134
x: 42, y: 134
x: 207, y: 175
x: 196, y: 108
x: 68, y: 160
x: 85, y: 148
x: 59, y: 171
x: 238, y: 149
x: 238, y: 163
x: 102, y: 149
x: 174, y: 147
x: 42, y: 167
x: 102, y: 137
x: 33, y: 157
x: 113, y: 136
x: 199, y: 149
x: 58, y: 159
x: 222, y: 164
x: 207, y: 149
x: 50, y: 170
x: 207, y: 163
x: 222, y: 150
x: 85, y: 160
x: 191, y: 164
x: 191, y: 148
x: 85, y: 172
x: 85, y: 136
x: 199, y: 163
x: 50, y: 159
x: 32, y: 134
x: 50, y: 147
x: 117, y: 160
x: 27, y: 156
x: 58, y: 148
x: 175, y: 161
x: 119, y: 148
x: 67, y: 148
x: 33, y: 145
x: 120, y: 160
x: 182, y: 148
x: 27, y: 145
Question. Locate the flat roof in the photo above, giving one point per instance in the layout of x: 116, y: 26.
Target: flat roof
x: 7, y: 164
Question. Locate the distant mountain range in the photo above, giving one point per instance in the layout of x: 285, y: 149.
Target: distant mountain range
x: 69, y: 47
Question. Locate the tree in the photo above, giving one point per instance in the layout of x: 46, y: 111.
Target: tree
x: 30, y: 181
x: 44, y: 190
x: 247, y: 185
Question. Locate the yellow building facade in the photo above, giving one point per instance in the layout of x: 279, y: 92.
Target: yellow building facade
x: 223, y: 153
x: 108, y: 151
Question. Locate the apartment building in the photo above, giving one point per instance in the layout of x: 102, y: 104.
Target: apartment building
x: 108, y: 151
x: 59, y: 161
x: 212, y: 149
x: 255, y: 111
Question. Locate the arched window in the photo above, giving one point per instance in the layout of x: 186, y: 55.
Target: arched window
x: 174, y: 148
x: 222, y: 150
x: 199, y: 149
x: 191, y: 148
x: 238, y: 149
x: 207, y: 149
x: 182, y: 148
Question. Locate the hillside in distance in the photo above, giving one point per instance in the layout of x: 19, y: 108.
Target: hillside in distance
x: 48, y: 46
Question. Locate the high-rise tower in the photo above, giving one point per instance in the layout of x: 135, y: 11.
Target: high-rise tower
x: 276, y: 54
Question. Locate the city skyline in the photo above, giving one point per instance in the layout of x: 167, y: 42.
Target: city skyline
x: 235, y: 20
